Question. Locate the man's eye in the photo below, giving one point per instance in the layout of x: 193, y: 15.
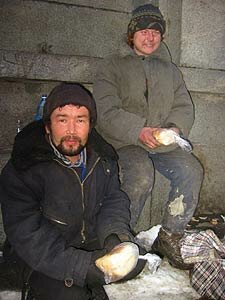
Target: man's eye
x: 62, y: 120
x: 79, y: 120
x: 156, y: 33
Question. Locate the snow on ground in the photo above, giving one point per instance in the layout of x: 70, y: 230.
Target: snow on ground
x: 8, y: 295
x: 164, y: 283
x: 167, y: 283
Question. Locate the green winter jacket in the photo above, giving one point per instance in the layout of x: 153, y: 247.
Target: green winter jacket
x: 134, y: 91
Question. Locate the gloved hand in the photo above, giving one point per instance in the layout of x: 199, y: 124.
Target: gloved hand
x: 113, y: 240
x: 139, y: 267
x: 95, y: 277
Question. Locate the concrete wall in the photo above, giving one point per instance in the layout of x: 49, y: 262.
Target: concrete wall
x: 44, y: 42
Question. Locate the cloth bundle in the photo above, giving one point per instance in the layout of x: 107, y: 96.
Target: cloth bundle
x: 207, y: 252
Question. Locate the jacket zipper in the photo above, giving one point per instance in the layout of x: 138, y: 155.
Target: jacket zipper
x: 82, y: 191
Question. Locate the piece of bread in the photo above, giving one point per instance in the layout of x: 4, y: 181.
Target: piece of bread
x: 165, y: 136
x: 120, y: 261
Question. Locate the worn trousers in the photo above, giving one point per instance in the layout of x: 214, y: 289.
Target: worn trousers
x: 182, y: 169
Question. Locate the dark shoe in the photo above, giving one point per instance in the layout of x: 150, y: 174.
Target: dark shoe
x: 168, y: 244
x: 98, y: 293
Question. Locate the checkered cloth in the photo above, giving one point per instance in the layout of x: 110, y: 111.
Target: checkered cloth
x: 201, y: 246
x: 208, y: 279
x: 207, y: 252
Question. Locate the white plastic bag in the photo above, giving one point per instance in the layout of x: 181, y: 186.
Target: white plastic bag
x: 169, y: 136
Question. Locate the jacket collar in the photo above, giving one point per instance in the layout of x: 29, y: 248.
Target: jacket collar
x: 32, y: 147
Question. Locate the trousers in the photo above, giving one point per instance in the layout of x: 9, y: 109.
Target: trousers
x: 182, y: 169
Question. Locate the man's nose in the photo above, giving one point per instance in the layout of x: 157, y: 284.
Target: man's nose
x: 150, y: 35
x: 72, y: 127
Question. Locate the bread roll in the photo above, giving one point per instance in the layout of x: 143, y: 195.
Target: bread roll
x: 165, y: 136
x: 120, y: 261
x: 168, y: 136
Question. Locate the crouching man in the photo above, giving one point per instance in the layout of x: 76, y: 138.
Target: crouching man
x: 62, y: 204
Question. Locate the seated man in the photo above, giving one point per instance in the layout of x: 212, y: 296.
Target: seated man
x: 138, y: 94
x: 61, y: 201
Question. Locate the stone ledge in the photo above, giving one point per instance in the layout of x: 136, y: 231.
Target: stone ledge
x: 26, y: 65
x: 115, y: 5
x: 204, y: 81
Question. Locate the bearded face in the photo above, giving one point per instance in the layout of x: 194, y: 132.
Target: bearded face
x: 70, y: 145
x: 69, y: 129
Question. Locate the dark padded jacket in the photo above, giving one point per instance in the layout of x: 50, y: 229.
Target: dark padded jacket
x: 49, y: 215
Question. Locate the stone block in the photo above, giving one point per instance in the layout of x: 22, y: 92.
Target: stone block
x: 212, y: 199
x: 59, y: 28
x: 18, y: 101
x: 171, y: 10
x: 203, y: 29
x: 208, y: 129
x: 205, y: 81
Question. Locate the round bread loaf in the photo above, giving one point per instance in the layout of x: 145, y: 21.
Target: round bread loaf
x: 120, y: 261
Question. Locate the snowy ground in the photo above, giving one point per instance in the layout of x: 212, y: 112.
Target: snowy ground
x: 167, y: 283
x: 8, y: 295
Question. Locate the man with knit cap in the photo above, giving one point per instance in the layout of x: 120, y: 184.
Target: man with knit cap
x: 61, y: 201
x: 141, y: 94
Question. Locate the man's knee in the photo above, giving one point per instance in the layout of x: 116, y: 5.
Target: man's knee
x: 136, y: 169
x: 194, y: 170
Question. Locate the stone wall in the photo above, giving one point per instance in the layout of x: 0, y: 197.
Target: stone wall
x: 44, y: 42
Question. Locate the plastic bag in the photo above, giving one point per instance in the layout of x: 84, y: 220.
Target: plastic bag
x: 153, y: 261
x: 168, y: 137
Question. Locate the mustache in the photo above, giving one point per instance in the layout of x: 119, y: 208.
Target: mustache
x: 72, y: 138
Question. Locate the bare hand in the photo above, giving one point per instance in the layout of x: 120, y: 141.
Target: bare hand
x: 147, y: 138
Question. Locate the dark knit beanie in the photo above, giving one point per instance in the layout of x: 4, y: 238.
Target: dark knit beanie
x: 146, y: 16
x: 70, y: 93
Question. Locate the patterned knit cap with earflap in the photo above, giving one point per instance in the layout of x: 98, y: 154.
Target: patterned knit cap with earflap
x: 146, y: 16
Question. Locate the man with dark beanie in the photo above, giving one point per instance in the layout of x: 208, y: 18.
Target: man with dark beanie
x: 140, y: 95
x: 61, y: 200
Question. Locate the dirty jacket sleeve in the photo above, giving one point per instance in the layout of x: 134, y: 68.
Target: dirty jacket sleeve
x: 182, y: 110
x: 114, y: 216
x: 34, y: 238
x: 114, y: 121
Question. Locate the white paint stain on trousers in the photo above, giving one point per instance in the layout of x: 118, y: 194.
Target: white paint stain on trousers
x: 177, y: 206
